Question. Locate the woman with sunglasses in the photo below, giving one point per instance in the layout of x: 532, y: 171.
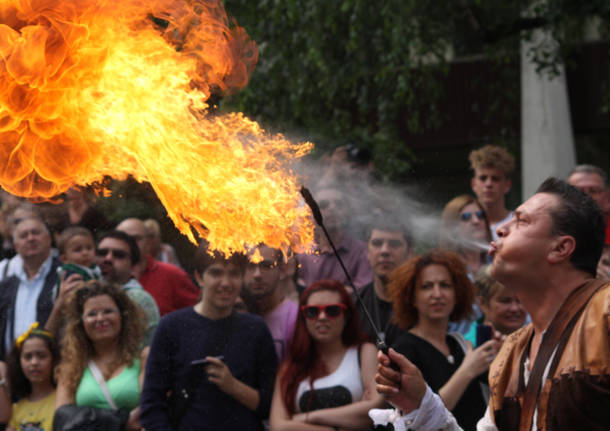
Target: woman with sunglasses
x: 429, y: 291
x: 465, y: 230
x: 102, y: 365
x: 326, y: 382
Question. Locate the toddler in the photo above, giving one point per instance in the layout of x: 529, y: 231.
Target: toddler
x: 77, y: 252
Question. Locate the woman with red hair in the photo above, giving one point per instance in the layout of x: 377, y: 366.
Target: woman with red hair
x: 429, y: 291
x: 326, y: 382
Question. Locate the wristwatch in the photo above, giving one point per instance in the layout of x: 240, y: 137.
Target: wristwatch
x: 3, y: 382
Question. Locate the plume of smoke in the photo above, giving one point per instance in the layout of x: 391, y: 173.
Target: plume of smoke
x: 371, y: 203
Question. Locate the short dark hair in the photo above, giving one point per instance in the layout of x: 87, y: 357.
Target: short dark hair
x: 578, y: 216
x: 134, y: 250
x: 204, y: 257
x: 387, y: 225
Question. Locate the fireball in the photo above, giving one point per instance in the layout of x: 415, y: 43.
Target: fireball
x: 90, y: 89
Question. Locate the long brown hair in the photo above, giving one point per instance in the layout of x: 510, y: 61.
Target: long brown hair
x: 77, y: 349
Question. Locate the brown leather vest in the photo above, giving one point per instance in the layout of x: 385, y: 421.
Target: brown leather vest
x: 576, y: 393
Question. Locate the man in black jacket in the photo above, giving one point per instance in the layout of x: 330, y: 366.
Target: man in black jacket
x: 27, y: 281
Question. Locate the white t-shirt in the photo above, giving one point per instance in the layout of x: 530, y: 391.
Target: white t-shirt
x: 335, y: 386
x: 495, y: 226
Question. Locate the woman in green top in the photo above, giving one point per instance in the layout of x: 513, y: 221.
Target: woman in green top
x: 104, y: 334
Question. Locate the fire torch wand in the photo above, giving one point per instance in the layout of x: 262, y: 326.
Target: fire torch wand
x: 317, y: 215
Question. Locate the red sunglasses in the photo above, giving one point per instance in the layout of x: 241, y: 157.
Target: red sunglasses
x: 331, y: 310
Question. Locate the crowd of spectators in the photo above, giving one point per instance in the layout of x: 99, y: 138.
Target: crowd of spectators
x: 101, y: 327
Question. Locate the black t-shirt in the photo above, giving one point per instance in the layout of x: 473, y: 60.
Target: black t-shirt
x: 381, y: 312
x: 437, y: 370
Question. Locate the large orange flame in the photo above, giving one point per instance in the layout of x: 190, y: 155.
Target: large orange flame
x: 95, y: 88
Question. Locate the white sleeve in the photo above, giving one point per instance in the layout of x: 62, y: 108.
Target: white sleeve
x: 485, y: 423
x: 432, y: 415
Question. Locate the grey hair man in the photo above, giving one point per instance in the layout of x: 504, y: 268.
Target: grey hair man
x: 27, y: 281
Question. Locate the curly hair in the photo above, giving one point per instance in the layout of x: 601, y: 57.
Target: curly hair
x: 20, y: 385
x: 303, y: 360
x: 494, y: 157
x: 77, y: 348
x: 405, y: 279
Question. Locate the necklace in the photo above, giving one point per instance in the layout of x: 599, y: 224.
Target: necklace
x: 383, y: 330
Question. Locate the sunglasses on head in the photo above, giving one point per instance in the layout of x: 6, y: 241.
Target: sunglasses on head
x: 331, y: 310
x: 119, y: 254
x: 467, y: 216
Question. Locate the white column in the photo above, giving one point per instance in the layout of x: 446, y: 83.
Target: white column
x: 547, y: 143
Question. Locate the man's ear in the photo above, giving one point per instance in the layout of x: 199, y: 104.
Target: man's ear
x: 472, y: 183
x: 283, y: 269
x: 198, y: 278
x: 561, y: 249
x: 137, y: 269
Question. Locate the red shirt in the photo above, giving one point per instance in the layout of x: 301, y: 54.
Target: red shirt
x: 169, y: 285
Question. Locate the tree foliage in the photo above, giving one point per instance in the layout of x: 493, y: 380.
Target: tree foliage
x: 354, y: 70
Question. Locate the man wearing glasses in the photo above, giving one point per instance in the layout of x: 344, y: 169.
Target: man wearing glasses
x: 592, y: 180
x: 263, y: 296
x: 117, y: 253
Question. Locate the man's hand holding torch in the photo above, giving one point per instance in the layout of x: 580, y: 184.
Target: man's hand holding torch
x: 405, y: 388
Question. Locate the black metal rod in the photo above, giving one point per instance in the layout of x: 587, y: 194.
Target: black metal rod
x: 317, y: 215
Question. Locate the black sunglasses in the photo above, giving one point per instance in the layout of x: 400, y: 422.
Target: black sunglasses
x: 331, y: 310
x: 467, y: 216
x: 119, y: 254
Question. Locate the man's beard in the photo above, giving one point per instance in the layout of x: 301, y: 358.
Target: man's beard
x: 256, y: 295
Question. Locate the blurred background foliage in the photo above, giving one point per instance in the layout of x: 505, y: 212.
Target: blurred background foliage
x: 360, y: 71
